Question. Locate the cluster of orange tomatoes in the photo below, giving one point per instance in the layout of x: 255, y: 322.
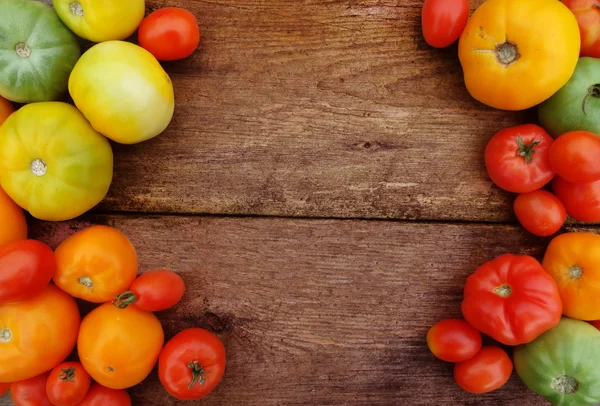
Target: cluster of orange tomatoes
x: 118, y: 343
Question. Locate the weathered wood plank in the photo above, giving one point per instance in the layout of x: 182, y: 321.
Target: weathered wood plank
x: 318, y: 109
x: 319, y: 312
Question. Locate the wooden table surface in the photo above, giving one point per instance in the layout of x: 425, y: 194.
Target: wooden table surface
x: 322, y: 191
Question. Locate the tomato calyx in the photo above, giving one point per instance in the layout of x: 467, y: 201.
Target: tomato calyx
x: 593, y: 91
x: 575, y: 272
x: 67, y: 374
x: 122, y: 300
x: 5, y: 335
x: 565, y: 385
x: 507, y: 53
x: 198, y: 374
x: 503, y: 290
x: 526, y: 151
x: 22, y: 50
x: 38, y: 167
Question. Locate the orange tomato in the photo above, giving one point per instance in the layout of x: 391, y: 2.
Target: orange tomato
x: 6, y: 109
x: 517, y: 53
x: 573, y: 260
x: 12, y: 218
x: 45, y: 325
x: 96, y: 264
x: 119, y: 347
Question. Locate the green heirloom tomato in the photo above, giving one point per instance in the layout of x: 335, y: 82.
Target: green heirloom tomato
x: 52, y: 162
x: 563, y: 364
x: 37, y: 52
x: 576, y: 106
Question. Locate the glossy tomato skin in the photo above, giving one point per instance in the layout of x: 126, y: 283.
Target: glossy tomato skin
x: 170, y: 34
x: 443, y: 21
x: 587, y: 13
x: 96, y: 264
x: 453, y: 340
x: 154, y: 291
x: 192, y: 364
x: 26, y: 267
x: 12, y: 218
x: 517, y: 158
x: 575, y: 156
x: 487, y: 371
x: 4, y: 387
x: 46, y: 325
x: 581, y: 200
x: 99, y: 395
x: 540, y: 212
x: 512, y: 299
x: 30, y: 392
x: 67, y: 384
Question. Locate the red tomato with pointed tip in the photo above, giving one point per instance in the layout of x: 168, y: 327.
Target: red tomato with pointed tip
x: 453, y: 340
x: 99, y: 395
x: 443, y: 21
x: 153, y: 291
x: 581, y: 200
x: 540, y: 212
x: 587, y: 13
x: 31, y: 392
x: 68, y: 384
x: 487, y: 371
x: 575, y: 156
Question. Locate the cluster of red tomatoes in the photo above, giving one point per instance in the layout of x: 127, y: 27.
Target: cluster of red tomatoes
x: 118, y: 343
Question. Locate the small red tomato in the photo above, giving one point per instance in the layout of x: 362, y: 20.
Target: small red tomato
x: 191, y: 364
x: 170, y: 33
x: 453, y: 340
x: 540, y: 212
x: 26, y: 267
x: 587, y: 13
x: 153, y: 291
x: 4, y: 387
x: 443, y: 21
x: 517, y: 158
x: 487, y: 371
x: 99, y: 395
x: 30, y: 392
x: 581, y: 200
x: 575, y: 156
x: 596, y: 324
x: 68, y: 384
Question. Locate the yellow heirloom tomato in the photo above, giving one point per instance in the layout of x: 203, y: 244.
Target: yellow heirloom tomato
x: 123, y: 91
x: 52, y: 162
x: 101, y: 20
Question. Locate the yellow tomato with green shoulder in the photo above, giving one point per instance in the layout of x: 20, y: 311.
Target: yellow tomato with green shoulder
x: 52, y: 162
x: 101, y: 20
x: 123, y: 91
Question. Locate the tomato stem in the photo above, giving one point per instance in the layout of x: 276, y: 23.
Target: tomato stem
x: 5, y: 335
x: 593, y: 91
x: 526, y: 151
x: 507, y: 53
x: 197, y: 374
x: 76, y: 9
x: 67, y: 375
x: 86, y: 281
x: 565, y: 385
x: 504, y: 290
x: 122, y: 300
x: 575, y: 272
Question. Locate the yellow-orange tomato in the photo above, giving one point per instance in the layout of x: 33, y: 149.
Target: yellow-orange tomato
x: 12, y: 219
x: 96, y: 264
x: 119, y: 347
x: 517, y: 53
x: 37, y: 334
x: 573, y: 259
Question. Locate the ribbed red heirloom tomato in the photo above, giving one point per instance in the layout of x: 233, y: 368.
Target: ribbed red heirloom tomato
x: 587, y: 13
x: 540, y: 212
x: 68, y: 384
x: 443, y: 21
x: 99, y: 395
x: 30, y: 392
x: 453, y: 340
x: 575, y: 156
x: 581, y: 200
x: 487, y: 371
x: 153, y: 291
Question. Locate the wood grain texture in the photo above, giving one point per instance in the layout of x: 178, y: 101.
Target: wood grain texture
x: 319, y: 312
x: 318, y: 109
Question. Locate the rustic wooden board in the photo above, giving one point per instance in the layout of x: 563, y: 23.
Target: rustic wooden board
x: 318, y: 109
x: 319, y: 312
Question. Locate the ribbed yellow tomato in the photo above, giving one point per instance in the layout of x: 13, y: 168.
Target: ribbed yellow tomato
x: 101, y: 20
x: 517, y: 53
x: 123, y: 91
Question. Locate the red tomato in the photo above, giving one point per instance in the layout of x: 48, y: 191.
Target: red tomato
x: 487, y: 371
x: 443, y: 21
x: 68, y: 384
x: 575, y: 156
x: 517, y: 158
x: 596, y: 324
x: 453, y: 340
x: 26, y: 267
x: 192, y: 364
x: 4, y: 387
x: 587, y: 13
x: 99, y: 395
x: 30, y: 392
x: 581, y: 200
x: 153, y: 291
x: 540, y: 212
x: 169, y: 34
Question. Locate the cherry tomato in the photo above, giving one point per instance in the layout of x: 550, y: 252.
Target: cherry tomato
x: 4, y: 387
x: 443, y: 21
x: 153, y: 291
x: 575, y: 156
x: 453, y: 340
x: 517, y: 158
x: 581, y: 200
x: 540, y: 212
x: 67, y: 384
x: 487, y: 371
x: 99, y: 395
x: 30, y: 392
x: 170, y: 33
x: 191, y: 364
x: 26, y: 267
x: 587, y: 13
